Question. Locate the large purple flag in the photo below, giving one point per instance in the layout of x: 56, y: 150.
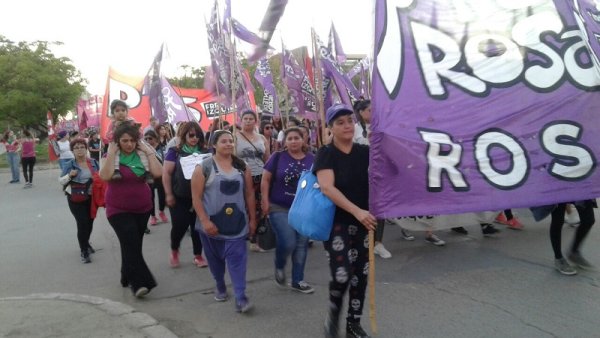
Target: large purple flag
x: 165, y: 103
x: 488, y: 109
x: 335, y: 45
x: 263, y: 75
x: 348, y: 93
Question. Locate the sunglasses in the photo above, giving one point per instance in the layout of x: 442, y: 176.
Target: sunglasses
x: 268, y: 127
x: 148, y: 138
x: 192, y: 136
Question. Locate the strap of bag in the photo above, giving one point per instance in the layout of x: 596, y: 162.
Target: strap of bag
x: 252, y: 144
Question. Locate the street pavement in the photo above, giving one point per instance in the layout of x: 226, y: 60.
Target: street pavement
x: 503, y: 286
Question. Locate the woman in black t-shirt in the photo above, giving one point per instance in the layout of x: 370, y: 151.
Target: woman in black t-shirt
x: 342, y: 172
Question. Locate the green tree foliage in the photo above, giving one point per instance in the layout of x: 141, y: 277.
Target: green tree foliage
x: 33, y: 80
x: 193, y: 78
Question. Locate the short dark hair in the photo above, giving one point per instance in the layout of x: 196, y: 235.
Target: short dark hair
x: 151, y: 133
x: 249, y: 112
x: 126, y: 128
x: 76, y: 142
x: 115, y: 103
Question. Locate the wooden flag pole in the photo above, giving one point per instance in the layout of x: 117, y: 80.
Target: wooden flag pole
x: 372, y: 282
x: 318, y: 76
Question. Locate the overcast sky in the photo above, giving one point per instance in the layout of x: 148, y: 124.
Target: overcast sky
x: 127, y: 34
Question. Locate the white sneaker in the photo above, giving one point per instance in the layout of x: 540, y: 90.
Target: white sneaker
x: 435, y: 240
x: 381, y: 251
x: 572, y: 219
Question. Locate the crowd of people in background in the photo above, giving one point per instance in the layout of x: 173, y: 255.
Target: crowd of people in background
x: 248, y: 175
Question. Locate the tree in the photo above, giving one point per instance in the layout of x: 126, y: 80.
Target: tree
x: 193, y: 78
x: 33, y: 80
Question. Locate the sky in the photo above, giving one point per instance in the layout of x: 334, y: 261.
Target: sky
x: 127, y: 34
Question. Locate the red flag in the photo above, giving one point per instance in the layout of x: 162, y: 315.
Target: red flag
x: 52, y: 145
x: 82, y: 121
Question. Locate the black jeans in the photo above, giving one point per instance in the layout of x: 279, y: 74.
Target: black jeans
x: 28, y: 163
x: 183, y: 216
x: 586, y: 215
x: 348, y: 250
x: 85, y: 223
x: 129, y: 228
x: 160, y: 190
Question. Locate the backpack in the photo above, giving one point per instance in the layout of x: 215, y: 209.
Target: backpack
x: 182, y: 187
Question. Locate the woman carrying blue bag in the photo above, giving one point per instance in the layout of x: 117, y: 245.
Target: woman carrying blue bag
x: 342, y: 172
x: 278, y: 188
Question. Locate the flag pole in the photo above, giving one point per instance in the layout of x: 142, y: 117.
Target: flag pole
x: 286, y: 90
x: 216, y: 78
x: 318, y: 76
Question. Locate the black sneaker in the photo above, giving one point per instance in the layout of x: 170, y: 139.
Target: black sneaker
x: 85, y: 257
x: 488, y: 230
x: 280, y: 278
x: 90, y: 250
x: 579, y: 261
x: 460, y: 230
x: 303, y: 287
x: 147, y: 231
x: 354, y: 330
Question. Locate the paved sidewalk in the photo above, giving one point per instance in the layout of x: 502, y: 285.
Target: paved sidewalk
x: 72, y: 315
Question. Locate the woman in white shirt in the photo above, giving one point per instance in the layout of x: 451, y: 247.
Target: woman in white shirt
x: 64, y: 147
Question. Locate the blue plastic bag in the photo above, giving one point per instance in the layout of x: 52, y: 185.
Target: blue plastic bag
x: 312, y: 212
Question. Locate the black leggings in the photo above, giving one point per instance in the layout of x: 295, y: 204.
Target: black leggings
x: 28, y: 163
x: 379, y: 230
x: 161, y: 196
x: 586, y: 215
x: 348, y: 250
x: 183, y: 217
x: 129, y: 228
x: 85, y: 223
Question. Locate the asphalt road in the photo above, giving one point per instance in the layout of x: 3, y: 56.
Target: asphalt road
x: 504, y: 286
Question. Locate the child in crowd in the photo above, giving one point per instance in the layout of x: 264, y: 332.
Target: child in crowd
x: 120, y: 115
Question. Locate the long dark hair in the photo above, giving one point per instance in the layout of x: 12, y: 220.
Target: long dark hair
x: 359, y: 106
x: 184, y: 129
x: 237, y: 162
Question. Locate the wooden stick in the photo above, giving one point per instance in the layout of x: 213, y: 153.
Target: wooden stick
x: 372, y: 282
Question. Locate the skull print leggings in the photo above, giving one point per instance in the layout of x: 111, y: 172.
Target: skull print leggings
x: 348, y: 249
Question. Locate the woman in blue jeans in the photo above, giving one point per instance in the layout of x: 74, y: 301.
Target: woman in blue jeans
x: 12, y: 154
x: 278, y: 188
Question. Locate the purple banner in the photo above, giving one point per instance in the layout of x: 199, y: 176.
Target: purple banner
x: 166, y: 104
x: 488, y: 109
x: 301, y: 94
x: 335, y: 45
x: 345, y: 88
x: 263, y: 75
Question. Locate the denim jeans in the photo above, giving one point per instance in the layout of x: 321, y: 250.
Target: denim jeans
x: 13, y: 162
x: 289, y: 241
